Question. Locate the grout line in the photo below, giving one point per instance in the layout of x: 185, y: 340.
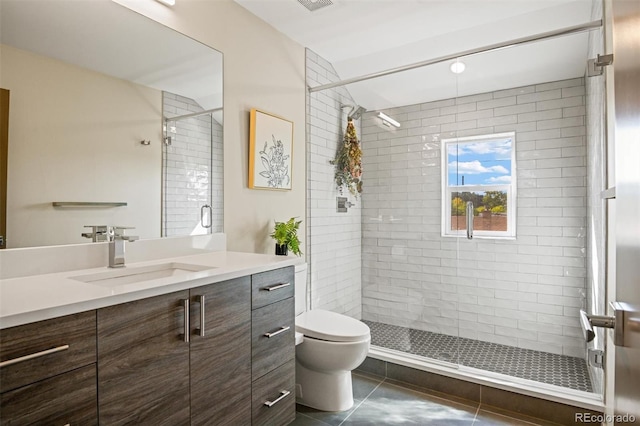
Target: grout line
x: 312, y: 418
x: 475, y: 417
x: 362, y: 402
x: 512, y: 417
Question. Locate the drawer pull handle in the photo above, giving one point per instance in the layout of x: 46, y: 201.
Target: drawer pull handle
x: 275, y: 333
x: 187, y: 327
x: 276, y: 287
x: 32, y: 356
x: 200, y: 330
x: 283, y: 395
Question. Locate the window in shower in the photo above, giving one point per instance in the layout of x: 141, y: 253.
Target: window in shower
x: 480, y: 170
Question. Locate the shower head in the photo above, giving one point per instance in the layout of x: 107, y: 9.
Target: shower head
x: 356, y: 112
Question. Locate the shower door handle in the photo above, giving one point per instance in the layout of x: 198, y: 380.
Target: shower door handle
x: 202, y: 214
x: 469, y: 220
x: 625, y: 323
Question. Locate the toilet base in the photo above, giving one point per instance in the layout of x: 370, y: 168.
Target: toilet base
x: 324, y: 391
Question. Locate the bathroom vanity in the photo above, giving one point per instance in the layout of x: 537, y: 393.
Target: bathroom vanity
x: 200, y: 346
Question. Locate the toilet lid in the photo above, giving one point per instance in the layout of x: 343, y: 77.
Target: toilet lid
x: 331, y: 326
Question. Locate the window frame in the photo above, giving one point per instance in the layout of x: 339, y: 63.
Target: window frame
x: 449, y: 190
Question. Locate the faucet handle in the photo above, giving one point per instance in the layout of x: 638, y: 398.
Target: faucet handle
x: 118, y: 232
x: 98, y: 233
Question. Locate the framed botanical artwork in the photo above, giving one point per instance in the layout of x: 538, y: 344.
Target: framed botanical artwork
x: 270, y: 151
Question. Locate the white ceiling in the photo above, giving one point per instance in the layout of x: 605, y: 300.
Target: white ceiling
x: 360, y: 37
x: 103, y: 36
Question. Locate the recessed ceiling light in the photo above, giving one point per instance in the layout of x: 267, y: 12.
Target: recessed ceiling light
x: 168, y: 2
x: 457, y: 67
x: 314, y: 5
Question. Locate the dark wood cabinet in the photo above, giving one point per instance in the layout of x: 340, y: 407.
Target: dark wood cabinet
x: 272, y: 286
x: 272, y: 405
x: 221, y: 359
x: 149, y: 374
x: 48, y: 372
x: 66, y: 399
x: 273, y: 347
x: 193, y: 357
x: 143, y: 362
x: 273, y: 336
x: 43, y: 349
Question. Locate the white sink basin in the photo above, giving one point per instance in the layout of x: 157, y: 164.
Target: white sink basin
x: 123, y: 276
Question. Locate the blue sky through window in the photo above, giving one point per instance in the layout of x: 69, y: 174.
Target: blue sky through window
x: 485, y: 162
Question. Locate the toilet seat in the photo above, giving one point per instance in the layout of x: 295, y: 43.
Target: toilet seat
x: 331, y: 326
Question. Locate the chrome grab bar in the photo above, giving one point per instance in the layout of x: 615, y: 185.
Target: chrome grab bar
x: 469, y: 220
x: 33, y: 356
x: 275, y: 333
x: 283, y: 395
x: 276, y: 287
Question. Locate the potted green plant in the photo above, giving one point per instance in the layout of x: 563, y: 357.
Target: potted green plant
x: 286, y: 236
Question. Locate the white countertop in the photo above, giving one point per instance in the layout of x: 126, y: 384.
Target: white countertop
x: 37, y: 297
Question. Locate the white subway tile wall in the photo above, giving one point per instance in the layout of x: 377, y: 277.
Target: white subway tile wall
x: 524, y: 292
x: 192, y: 170
x: 333, y: 239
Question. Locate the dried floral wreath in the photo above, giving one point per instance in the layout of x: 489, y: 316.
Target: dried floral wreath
x: 348, y: 162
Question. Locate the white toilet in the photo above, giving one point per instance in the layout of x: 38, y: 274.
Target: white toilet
x: 332, y: 345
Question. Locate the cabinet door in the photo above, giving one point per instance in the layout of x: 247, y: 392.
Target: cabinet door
x: 221, y: 359
x: 68, y: 398
x: 47, y: 348
x: 274, y: 401
x: 277, y: 321
x: 143, y: 362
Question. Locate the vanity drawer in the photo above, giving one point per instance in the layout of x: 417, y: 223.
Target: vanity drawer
x: 276, y: 389
x: 272, y: 286
x: 267, y: 352
x: 68, y: 398
x: 36, y: 351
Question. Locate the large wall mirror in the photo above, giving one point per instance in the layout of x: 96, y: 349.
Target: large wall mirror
x: 113, y: 119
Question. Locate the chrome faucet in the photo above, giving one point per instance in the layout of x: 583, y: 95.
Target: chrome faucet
x: 116, y: 238
x: 98, y: 233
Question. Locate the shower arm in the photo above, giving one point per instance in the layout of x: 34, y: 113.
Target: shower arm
x: 356, y: 111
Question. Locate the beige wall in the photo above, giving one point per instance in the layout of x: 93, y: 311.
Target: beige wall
x: 263, y: 69
x: 72, y: 138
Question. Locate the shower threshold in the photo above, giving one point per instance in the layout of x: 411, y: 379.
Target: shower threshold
x: 540, y: 374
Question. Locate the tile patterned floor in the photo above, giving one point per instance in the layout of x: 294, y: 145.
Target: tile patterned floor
x: 560, y: 370
x: 379, y: 402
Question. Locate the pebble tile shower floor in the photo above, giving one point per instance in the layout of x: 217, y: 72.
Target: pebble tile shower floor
x: 560, y: 370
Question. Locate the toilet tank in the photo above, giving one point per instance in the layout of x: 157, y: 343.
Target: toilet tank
x: 301, y: 288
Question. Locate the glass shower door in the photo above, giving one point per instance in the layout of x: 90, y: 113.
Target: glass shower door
x: 188, y: 154
x: 409, y: 269
x: 523, y: 157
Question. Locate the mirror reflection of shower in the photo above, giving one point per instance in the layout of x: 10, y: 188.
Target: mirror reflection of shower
x: 192, y: 177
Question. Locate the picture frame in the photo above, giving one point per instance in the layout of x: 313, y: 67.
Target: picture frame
x: 270, y: 151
